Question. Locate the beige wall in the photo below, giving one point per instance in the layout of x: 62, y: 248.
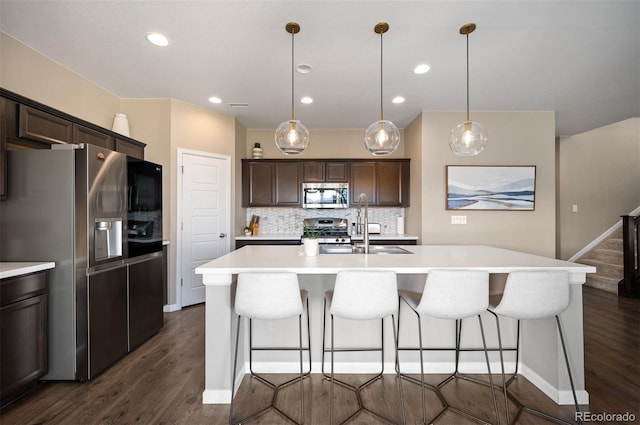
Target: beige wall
x: 413, y: 149
x: 515, y: 138
x: 240, y: 152
x: 599, y: 171
x: 322, y: 144
x: 30, y: 74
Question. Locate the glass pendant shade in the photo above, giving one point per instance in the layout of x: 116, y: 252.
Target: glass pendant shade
x: 382, y: 138
x: 292, y: 137
x: 468, y: 138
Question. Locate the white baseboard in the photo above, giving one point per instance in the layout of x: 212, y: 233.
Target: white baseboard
x: 216, y: 397
x: 564, y: 397
x: 559, y: 396
x: 170, y: 308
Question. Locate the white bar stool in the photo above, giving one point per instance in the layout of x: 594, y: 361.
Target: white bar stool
x: 270, y: 296
x: 456, y: 295
x: 534, y: 295
x: 362, y: 295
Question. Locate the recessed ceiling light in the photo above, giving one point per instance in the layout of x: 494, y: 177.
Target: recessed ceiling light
x: 303, y: 68
x: 157, y: 39
x: 398, y: 99
x: 214, y: 99
x: 423, y: 68
x: 306, y: 100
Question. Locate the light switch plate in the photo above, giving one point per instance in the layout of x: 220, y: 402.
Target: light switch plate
x: 458, y: 219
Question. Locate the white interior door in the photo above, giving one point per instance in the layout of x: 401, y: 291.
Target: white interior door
x: 205, y: 219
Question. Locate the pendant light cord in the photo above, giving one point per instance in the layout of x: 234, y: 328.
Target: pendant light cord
x: 381, y: 107
x: 468, y: 77
x: 292, y: 76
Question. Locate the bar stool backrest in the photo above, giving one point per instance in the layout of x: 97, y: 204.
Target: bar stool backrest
x: 454, y: 294
x: 534, y: 294
x: 365, y: 294
x: 268, y: 296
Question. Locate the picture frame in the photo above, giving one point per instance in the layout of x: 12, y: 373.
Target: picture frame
x: 491, y: 188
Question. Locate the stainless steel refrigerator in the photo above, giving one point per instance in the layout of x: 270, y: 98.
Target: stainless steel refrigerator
x: 68, y: 205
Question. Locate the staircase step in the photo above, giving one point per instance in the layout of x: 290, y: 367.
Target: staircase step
x: 603, y: 283
x: 614, y: 244
x: 612, y: 271
x: 605, y: 255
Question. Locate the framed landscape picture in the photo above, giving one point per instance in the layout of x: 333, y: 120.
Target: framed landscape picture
x: 499, y: 187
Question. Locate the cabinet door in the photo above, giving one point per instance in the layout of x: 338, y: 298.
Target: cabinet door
x: 391, y: 184
x: 134, y: 150
x: 43, y: 127
x: 24, y: 345
x: 313, y: 171
x: 107, y: 312
x: 83, y: 134
x: 3, y: 148
x: 363, y: 180
x: 337, y: 172
x: 257, y: 183
x: 145, y: 300
x: 288, y: 178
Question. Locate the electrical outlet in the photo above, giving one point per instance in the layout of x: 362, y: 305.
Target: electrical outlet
x: 458, y: 219
x: 574, y: 208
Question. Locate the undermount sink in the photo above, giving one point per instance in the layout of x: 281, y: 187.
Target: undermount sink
x: 356, y: 249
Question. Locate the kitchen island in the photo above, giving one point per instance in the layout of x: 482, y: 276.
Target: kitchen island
x: 541, y: 355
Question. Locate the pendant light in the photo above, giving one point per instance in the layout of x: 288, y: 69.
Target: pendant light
x: 382, y: 137
x: 292, y: 137
x: 470, y: 137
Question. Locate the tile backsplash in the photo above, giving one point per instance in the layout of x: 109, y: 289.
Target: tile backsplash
x: 289, y: 220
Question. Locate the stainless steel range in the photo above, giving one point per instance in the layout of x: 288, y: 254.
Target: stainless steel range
x: 332, y: 230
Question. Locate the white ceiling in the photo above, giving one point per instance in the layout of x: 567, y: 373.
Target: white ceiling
x: 578, y: 58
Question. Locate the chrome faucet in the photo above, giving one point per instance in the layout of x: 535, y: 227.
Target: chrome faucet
x: 365, y: 226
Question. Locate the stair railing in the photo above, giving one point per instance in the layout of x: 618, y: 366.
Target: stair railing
x: 629, y: 286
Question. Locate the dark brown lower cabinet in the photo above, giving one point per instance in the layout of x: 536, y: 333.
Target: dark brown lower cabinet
x: 145, y: 300
x: 24, y: 342
x: 108, y: 339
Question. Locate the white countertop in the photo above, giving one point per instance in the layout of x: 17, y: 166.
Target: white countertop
x: 422, y: 259
x: 13, y: 269
x: 296, y: 236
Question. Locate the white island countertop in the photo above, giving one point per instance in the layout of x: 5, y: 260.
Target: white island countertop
x: 422, y: 259
x: 13, y: 269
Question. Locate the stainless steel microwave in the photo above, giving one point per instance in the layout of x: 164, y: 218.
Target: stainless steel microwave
x: 325, y: 195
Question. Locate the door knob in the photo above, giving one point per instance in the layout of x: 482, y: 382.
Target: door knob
x: 223, y: 235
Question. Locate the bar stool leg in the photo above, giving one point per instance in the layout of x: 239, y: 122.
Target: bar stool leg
x: 398, y: 375
x: 301, y: 368
x: 486, y: 356
x: 504, y: 385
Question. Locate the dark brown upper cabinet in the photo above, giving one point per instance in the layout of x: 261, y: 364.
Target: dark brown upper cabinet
x: 326, y: 171
x: 39, y: 126
x: 131, y: 148
x: 271, y: 183
x: 385, y: 182
x: 82, y: 134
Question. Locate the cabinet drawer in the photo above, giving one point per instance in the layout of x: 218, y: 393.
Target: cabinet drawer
x: 20, y: 287
x: 43, y: 127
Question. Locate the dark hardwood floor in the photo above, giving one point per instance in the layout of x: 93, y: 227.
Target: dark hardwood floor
x: 162, y: 383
